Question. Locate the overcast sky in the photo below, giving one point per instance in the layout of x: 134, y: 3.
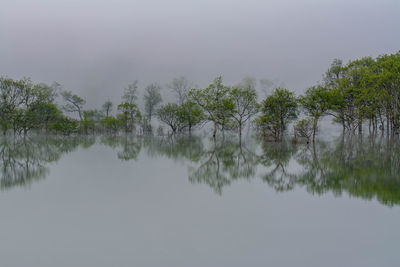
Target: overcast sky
x: 95, y: 48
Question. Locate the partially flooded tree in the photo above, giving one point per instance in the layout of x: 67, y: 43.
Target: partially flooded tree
x: 10, y: 99
x: 191, y: 114
x: 303, y: 129
x: 129, y: 116
x: 216, y: 102
x: 278, y: 110
x: 244, y: 96
x: 316, y: 102
x: 171, y: 114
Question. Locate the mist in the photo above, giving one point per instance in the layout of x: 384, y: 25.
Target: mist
x: 96, y: 48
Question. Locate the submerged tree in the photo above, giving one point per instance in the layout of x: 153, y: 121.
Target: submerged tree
x: 171, y: 114
x: 303, y: 129
x: 129, y: 115
x: 216, y: 102
x: 316, y: 101
x: 244, y: 97
x: 278, y: 110
x: 10, y: 99
x: 191, y: 115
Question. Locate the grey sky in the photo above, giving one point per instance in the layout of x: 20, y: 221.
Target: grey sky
x: 95, y: 48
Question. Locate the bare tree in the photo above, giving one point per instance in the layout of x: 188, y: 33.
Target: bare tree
x: 130, y: 93
x: 181, y: 87
x: 152, y: 98
x: 107, y: 107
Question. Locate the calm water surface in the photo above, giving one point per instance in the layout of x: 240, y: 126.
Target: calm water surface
x: 125, y: 201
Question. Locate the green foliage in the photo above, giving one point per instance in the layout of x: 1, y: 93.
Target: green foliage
x: 74, y: 103
x: 129, y: 115
x: 363, y: 90
x: 191, y: 115
x: 316, y: 102
x: 278, y: 110
x: 180, y: 117
x: 111, y: 124
x: 244, y: 97
x: 303, y: 129
x: 366, y: 89
x: 216, y: 102
x: 171, y: 114
x: 65, y: 126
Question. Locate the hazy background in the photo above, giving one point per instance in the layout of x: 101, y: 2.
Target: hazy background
x: 95, y: 48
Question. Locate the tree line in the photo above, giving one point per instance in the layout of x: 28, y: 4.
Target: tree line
x: 362, y: 94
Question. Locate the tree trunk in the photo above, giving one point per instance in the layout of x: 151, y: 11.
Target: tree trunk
x: 343, y: 126
x: 215, y: 129
x: 314, y: 129
x: 240, y: 133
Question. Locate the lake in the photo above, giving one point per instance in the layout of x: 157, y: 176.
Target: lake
x: 190, y: 201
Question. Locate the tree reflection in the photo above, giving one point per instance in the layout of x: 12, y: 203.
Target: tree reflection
x: 276, y: 157
x: 128, y: 146
x: 23, y: 161
x: 179, y: 148
x: 363, y: 168
x: 223, y: 163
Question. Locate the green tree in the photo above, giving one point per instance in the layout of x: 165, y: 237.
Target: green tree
x: 65, y: 126
x: 9, y: 100
x: 74, y: 103
x: 43, y: 115
x: 171, y: 114
x: 244, y: 97
x: 388, y: 83
x: 316, y: 102
x: 304, y: 129
x: 278, y: 110
x: 129, y: 115
x: 111, y: 124
x: 216, y: 102
x: 191, y: 115
x: 91, y: 120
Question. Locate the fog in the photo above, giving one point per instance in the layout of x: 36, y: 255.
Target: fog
x: 95, y: 48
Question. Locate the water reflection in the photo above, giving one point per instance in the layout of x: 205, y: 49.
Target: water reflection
x: 23, y: 161
x: 128, y: 147
x: 276, y: 157
x: 223, y: 163
x: 363, y: 168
